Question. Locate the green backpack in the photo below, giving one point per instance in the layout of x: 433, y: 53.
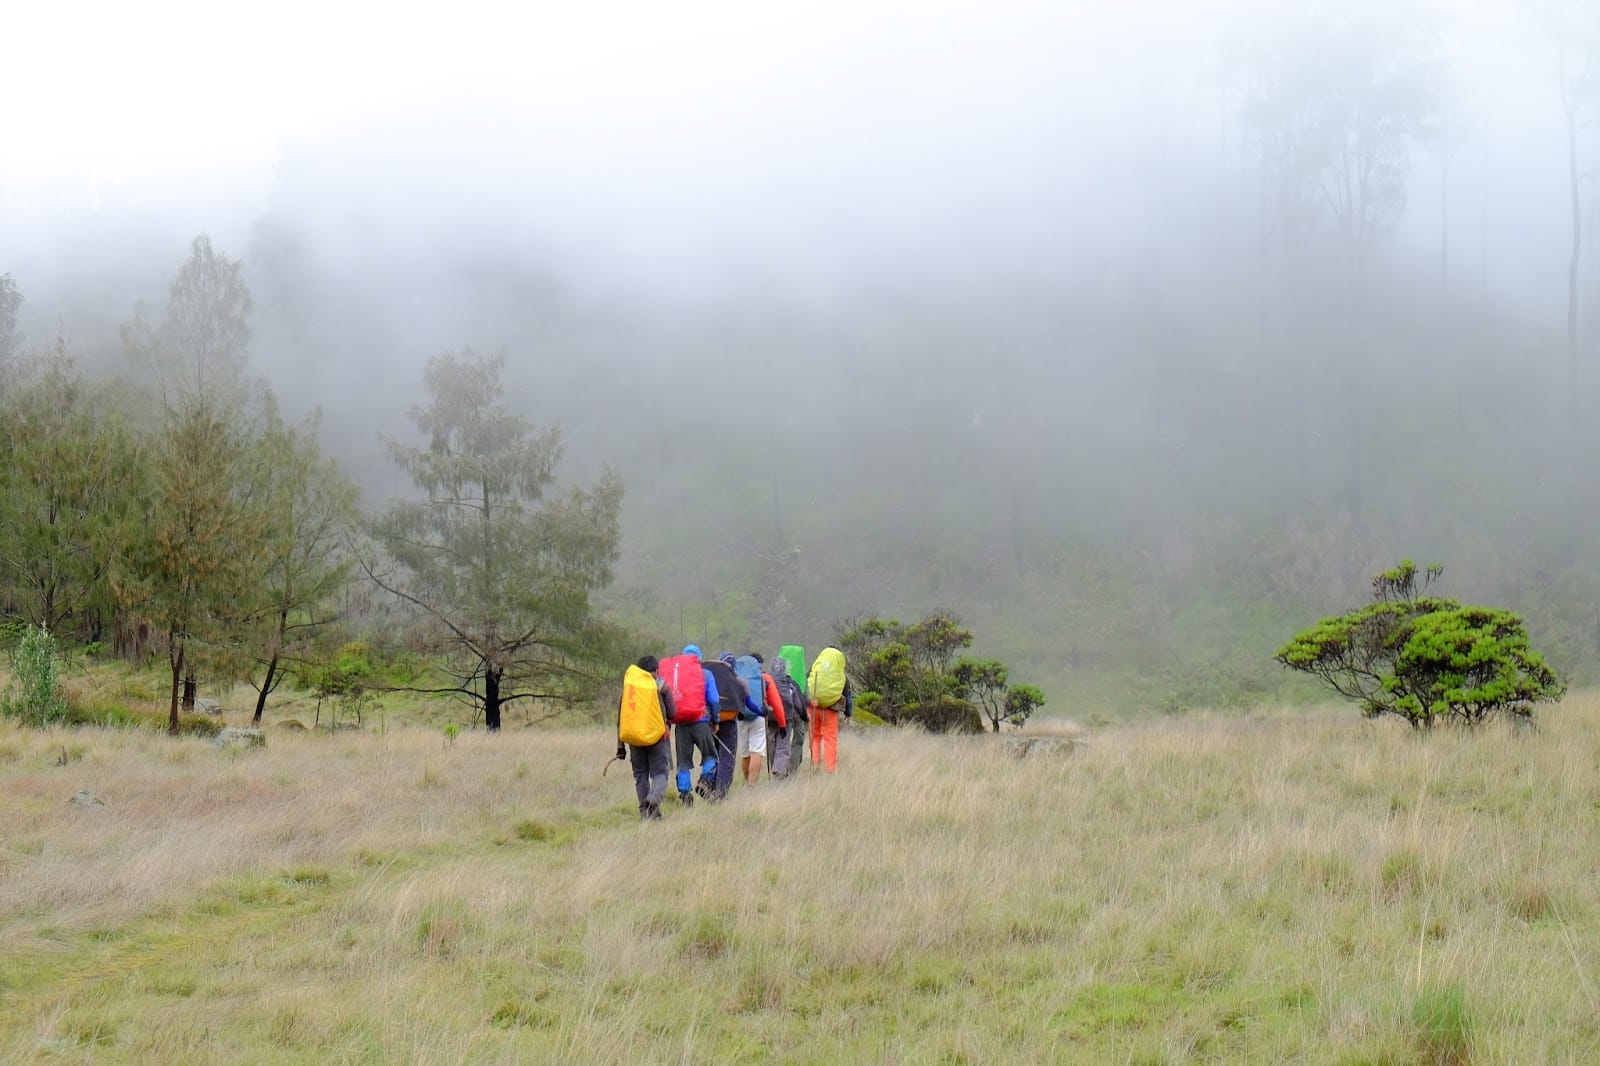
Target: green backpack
x: 795, y: 656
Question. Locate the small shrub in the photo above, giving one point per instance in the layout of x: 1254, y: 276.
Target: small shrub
x: 1442, y: 1023
x: 519, y: 1012
x: 135, y: 688
x: 1530, y: 901
x: 442, y: 927
x: 709, y: 936
x: 34, y: 695
x: 531, y: 829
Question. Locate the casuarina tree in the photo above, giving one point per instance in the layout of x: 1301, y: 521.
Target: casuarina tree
x: 1424, y: 658
x: 498, y: 564
x: 308, y: 509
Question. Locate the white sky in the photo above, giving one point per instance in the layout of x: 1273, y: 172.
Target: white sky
x: 119, y: 92
x: 910, y: 111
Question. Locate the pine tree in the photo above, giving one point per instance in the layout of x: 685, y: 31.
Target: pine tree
x: 499, y: 565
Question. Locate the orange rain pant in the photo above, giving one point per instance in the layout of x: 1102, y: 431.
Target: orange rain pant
x: 825, y: 739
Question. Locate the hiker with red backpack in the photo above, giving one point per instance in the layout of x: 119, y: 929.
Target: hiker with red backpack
x: 642, y: 734
x: 829, y: 689
x: 695, y: 699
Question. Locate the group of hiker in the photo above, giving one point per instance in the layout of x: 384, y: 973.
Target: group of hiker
x: 732, y: 711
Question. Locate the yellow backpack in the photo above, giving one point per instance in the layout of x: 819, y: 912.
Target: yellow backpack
x: 639, y: 722
x: 825, y: 684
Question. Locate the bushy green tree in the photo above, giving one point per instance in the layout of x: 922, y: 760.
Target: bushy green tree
x: 201, y: 557
x: 500, y: 566
x: 984, y: 685
x: 71, y: 476
x: 910, y: 674
x: 33, y: 697
x: 195, y: 566
x: 1425, y: 658
x: 308, y: 508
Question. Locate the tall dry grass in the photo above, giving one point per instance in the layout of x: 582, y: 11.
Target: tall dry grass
x: 1304, y: 887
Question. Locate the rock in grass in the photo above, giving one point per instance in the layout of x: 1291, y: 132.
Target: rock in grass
x: 249, y: 738
x: 211, y: 707
x: 85, y: 799
x: 1023, y: 747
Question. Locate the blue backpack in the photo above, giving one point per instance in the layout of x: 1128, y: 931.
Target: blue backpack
x: 749, y: 672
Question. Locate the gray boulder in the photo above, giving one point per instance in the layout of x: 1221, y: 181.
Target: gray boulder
x: 246, y: 738
x: 1024, y: 747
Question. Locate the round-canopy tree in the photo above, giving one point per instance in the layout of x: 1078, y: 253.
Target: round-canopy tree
x: 1425, y: 658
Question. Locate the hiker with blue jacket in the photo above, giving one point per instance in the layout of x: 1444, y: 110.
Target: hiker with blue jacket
x: 735, y: 698
x: 693, y: 689
x: 752, y: 738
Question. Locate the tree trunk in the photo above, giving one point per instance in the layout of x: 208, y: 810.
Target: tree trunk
x: 266, y: 687
x: 190, y: 686
x: 491, y: 700
x: 176, y: 660
x: 268, y: 682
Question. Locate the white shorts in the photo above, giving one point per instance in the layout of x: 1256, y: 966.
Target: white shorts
x: 752, y: 737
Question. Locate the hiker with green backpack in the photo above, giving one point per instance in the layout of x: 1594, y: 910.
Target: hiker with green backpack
x: 794, y: 660
x: 781, y: 733
x: 830, y: 695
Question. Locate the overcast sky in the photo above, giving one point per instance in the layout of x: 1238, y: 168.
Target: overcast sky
x: 662, y: 137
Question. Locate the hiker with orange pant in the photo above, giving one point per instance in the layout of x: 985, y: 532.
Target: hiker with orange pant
x: 829, y: 690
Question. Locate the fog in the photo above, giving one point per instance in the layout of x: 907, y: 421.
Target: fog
x: 1007, y: 308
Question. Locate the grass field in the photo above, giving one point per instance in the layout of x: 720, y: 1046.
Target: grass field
x: 1302, y: 887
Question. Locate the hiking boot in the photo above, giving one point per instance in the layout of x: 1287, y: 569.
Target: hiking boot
x: 686, y: 798
x: 649, y: 812
x: 705, y: 789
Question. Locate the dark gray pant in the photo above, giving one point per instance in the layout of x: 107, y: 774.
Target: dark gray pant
x: 727, y: 748
x: 777, y: 750
x: 797, y: 744
x: 650, y: 767
x: 691, y: 736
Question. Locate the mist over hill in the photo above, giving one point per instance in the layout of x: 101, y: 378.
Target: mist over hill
x: 1137, y: 338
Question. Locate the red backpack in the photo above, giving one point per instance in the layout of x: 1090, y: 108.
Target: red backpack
x: 687, y: 681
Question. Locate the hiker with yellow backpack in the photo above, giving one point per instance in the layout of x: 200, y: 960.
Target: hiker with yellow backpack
x: 642, y: 719
x: 828, y: 689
